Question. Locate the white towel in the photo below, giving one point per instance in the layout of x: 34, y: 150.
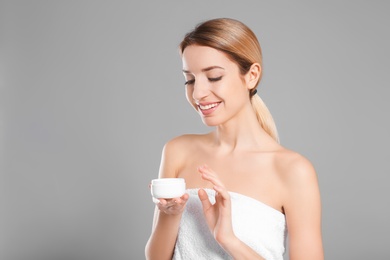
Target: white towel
x: 260, y: 226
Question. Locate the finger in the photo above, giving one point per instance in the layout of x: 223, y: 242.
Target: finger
x: 162, y: 202
x: 170, y: 203
x: 185, y: 197
x: 182, y: 200
x: 169, y: 206
x: 222, y: 195
x: 204, y: 198
x: 209, y: 175
x: 222, y: 191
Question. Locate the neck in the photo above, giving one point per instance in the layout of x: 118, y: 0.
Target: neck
x: 241, y: 133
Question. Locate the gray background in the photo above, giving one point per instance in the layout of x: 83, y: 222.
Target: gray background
x: 91, y: 91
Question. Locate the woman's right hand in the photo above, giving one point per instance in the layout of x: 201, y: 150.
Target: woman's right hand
x: 173, y: 206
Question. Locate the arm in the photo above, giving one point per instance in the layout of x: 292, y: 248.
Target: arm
x: 302, y: 207
x: 162, y: 241
x: 168, y: 213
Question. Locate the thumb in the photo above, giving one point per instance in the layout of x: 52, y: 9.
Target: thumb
x: 204, y: 198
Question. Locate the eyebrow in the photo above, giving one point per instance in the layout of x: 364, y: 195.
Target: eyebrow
x: 206, y: 69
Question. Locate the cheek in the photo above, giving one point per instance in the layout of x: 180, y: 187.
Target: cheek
x: 236, y: 88
x: 237, y: 93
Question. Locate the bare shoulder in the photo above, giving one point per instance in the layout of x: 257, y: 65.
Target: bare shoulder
x: 183, y: 143
x: 298, y: 177
x: 294, y: 168
x: 175, y: 152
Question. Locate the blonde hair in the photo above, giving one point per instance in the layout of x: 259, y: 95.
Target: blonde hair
x: 240, y: 44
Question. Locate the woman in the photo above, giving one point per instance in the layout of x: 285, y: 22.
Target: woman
x: 244, y: 190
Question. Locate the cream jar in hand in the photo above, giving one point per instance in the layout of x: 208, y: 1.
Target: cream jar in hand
x: 168, y: 188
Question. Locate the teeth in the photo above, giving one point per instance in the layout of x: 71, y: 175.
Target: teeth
x: 208, y: 106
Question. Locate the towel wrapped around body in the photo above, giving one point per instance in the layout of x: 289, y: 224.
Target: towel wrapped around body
x: 258, y: 225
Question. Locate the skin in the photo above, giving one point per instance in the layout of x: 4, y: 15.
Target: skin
x: 237, y: 156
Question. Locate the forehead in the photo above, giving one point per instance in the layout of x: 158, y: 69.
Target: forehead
x: 196, y: 58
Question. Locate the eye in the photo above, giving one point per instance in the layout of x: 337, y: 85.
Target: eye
x: 189, y: 82
x: 215, y: 79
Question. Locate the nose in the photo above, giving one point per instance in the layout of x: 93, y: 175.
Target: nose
x: 200, y: 90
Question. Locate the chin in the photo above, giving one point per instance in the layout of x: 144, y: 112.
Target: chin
x: 211, y: 121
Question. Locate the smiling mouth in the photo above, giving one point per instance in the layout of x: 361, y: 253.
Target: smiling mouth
x: 208, y: 106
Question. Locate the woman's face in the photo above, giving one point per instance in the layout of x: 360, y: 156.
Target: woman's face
x: 214, y: 85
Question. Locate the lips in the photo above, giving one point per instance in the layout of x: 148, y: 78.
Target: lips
x: 208, y: 108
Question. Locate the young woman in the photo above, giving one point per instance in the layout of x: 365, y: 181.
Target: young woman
x: 244, y: 190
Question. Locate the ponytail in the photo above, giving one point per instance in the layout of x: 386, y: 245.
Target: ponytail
x: 264, y: 117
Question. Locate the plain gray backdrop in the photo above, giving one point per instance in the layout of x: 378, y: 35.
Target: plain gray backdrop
x: 91, y: 90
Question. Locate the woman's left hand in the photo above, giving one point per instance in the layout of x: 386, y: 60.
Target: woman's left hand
x: 218, y: 215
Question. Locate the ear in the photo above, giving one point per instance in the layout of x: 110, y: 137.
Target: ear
x: 253, y: 75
